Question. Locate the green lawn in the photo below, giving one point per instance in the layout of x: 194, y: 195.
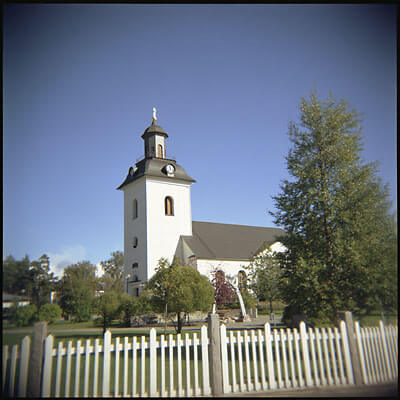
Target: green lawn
x: 13, y: 336
x: 374, y: 318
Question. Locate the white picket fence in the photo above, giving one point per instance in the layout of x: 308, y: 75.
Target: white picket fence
x: 285, y: 358
x: 378, y: 349
x: 178, y: 366
x: 128, y: 366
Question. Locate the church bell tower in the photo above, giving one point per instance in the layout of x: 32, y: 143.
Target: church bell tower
x: 157, y: 209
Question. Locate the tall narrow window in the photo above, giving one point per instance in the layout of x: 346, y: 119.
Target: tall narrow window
x: 134, y: 209
x: 135, y: 242
x: 160, y: 151
x: 169, y: 206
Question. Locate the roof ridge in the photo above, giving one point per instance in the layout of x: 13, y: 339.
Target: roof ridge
x: 250, y: 226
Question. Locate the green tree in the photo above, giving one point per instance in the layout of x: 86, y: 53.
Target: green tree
x: 43, y: 281
x: 77, y: 290
x: 264, y: 275
x: 340, y: 236
x: 108, y: 306
x: 17, y: 278
x: 180, y: 289
x: 24, y: 315
x: 112, y: 280
x: 134, y: 306
x: 50, y: 313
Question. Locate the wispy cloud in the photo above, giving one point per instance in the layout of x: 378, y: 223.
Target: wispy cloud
x: 67, y: 256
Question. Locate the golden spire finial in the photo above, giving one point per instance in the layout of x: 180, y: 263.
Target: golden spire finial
x: 154, y: 114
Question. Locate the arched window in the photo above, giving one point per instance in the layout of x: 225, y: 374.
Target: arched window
x: 242, y: 280
x: 135, y: 265
x: 169, y: 206
x: 134, y: 209
x: 160, y: 151
x: 135, y: 242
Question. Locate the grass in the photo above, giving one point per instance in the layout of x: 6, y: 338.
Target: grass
x: 264, y: 307
x: 373, y: 319
x: 61, y: 332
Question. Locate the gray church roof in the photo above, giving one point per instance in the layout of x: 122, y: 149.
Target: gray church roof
x: 217, y: 241
x: 155, y: 167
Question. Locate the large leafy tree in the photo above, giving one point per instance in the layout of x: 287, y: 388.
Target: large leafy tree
x: 340, y: 237
x: 264, y: 275
x: 180, y: 289
x: 17, y: 278
x: 29, y: 278
x: 43, y: 281
x: 77, y: 290
x: 112, y: 280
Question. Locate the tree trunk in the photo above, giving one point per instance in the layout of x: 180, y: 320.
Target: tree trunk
x: 165, y: 318
x: 104, y: 325
x: 270, y: 306
x: 179, y: 322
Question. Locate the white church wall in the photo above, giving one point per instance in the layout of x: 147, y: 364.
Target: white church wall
x: 278, y: 247
x: 135, y: 228
x: 163, y: 231
x: 231, y: 268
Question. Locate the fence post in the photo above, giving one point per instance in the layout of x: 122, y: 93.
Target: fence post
x: 347, y: 317
x: 224, y: 359
x: 106, y: 363
x: 385, y: 350
x: 306, y: 354
x: 153, y: 362
x: 47, y: 363
x: 23, y: 367
x: 36, y: 359
x: 215, y: 355
x: 268, y: 353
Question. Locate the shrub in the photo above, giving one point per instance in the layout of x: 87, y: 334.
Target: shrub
x: 134, y: 306
x: 24, y: 315
x: 50, y: 313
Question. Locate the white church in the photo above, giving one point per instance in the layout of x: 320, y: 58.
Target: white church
x: 158, y: 221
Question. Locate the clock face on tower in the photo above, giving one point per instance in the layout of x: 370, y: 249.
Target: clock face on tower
x: 170, y: 169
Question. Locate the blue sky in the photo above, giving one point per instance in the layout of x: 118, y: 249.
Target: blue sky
x: 80, y: 82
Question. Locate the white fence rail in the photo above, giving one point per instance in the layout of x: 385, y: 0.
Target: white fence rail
x: 178, y: 366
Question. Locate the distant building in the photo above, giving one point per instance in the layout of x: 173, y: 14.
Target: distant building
x: 10, y: 300
x: 158, y: 221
